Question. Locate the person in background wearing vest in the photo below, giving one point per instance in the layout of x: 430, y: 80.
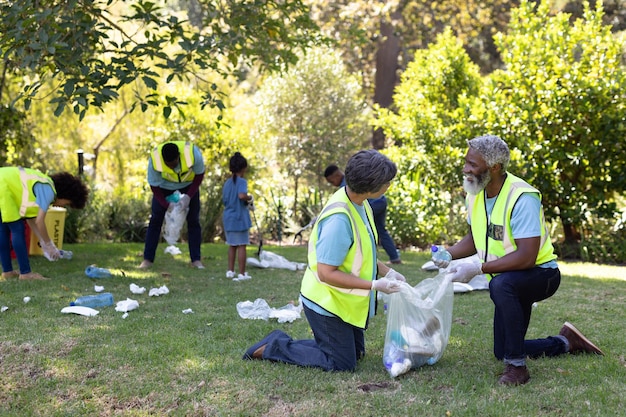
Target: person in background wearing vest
x: 510, y: 236
x: 338, y: 290
x: 236, y: 217
x: 335, y: 177
x: 26, y: 194
x: 175, y: 166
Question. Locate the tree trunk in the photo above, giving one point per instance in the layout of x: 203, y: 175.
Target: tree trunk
x: 386, y: 73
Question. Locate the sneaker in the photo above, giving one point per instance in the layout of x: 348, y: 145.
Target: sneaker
x: 514, y: 375
x: 578, y: 342
x: 197, y: 265
x: 242, y: 277
x: 230, y: 274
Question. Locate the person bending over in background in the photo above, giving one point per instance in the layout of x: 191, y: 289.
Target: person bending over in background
x: 510, y: 236
x: 236, y: 217
x: 335, y: 177
x: 175, y: 166
x: 338, y: 290
x: 26, y: 194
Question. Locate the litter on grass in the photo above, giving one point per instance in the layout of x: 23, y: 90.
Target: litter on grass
x: 269, y: 259
x: 260, y: 310
x: 136, y: 289
x: 80, y: 310
x: 155, y: 292
x: 126, y: 305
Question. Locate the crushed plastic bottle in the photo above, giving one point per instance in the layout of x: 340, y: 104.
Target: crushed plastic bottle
x: 439, y: 252
x: 93, y: 271
x: 66, y: 254
x: 104, y: 299
x: 174, y: 197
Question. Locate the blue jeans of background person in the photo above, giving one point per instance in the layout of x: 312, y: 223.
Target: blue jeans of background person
x: 194, y: 231
x: 379, y: 210
x: 337, y: 345
x: 513, y: 294
x: 13, y: 232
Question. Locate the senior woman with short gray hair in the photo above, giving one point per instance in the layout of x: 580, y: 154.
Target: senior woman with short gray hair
x: 338, y: 290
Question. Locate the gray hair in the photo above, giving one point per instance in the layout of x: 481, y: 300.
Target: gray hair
x: 493, y: 150
x: 367, y: 171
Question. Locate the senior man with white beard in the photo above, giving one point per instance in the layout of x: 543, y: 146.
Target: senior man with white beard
x: 510, y: 236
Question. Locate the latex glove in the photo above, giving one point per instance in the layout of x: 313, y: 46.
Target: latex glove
x: 393, y: 274
x: 184, y: 201
x: 386, y: 285
x: 251, y: 206
x: 464, y: 272
x: 50, y: 251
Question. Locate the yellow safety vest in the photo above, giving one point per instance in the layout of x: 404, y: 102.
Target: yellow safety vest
x: 17, y: 199
x: 493, y: 236
x: 349, y: 304
x: 186, y: 173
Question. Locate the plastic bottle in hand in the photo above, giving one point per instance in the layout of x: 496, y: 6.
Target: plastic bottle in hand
x: 97, y: 300
x: 66, y: 254
x: 93, y: 271
x: 440, y: 253
x: 174, y: 197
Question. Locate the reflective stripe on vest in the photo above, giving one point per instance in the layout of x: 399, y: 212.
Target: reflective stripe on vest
x: 350, y: 304
x: 186, y: 162
x: 493, y: 236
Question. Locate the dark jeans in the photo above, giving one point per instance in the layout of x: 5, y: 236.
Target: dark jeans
x: 513, y: 294
x: 194, y: 232
x: 13, y: 233
x: 379, y: 210
x: 337, y: 345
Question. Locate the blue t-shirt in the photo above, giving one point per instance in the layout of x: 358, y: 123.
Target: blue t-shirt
x: 236, y: 215
x: 44, y: 195
x: 525, y: 220
x: 155, y: 179
x: 335, y: 238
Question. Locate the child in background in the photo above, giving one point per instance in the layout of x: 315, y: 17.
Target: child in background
x: 236, y: 217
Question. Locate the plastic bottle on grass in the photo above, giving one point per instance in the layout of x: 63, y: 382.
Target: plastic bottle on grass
x: 104, y: 299
x: 440, y: 253
x: 93, y: 271
x: 66, y: 254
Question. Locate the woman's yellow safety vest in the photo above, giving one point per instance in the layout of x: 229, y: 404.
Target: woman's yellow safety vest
x: 186, y: 173
x: 349, y: 304
x: 493, y: 236
x: 17, y: 199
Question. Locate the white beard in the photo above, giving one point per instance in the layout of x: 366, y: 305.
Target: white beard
x: 473, y: 184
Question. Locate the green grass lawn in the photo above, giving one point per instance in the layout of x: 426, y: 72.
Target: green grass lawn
x: 159, y: 361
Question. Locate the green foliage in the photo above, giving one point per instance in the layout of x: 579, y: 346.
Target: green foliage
x: 431, y: 128
x: 94, y: 49
x: 314, y: 114
x: 561, y: 102
x: 15, y: 138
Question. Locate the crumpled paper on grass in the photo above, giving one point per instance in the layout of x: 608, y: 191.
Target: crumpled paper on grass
x: 126, y: 305
x: 155, y: 292
x: 260, y: 310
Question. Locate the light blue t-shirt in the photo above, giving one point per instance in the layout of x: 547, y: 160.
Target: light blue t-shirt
x: 44, y: 195
x: 525, y: 220
x: 335, y: 238
x: 155, y: 179
x: 236, y: 217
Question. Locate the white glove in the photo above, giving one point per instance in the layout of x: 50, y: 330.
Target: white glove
x: 50, y: 251
x: 464, y: 272
x: 250, y: 206
x: 388, y: 286
x: 184, y: 201
x: 393, y: 274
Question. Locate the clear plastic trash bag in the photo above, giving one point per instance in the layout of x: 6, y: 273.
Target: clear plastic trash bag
x: 418, y: 324
x: 174, y: 221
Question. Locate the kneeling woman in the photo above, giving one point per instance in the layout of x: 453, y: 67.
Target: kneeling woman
x: 338, y: 288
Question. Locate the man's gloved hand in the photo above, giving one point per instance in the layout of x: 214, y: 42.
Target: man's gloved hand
x: 388, y: 286
x: 184, y: 201
x: 50, y: 251
x: 393, y: 274
x: 464, y: 272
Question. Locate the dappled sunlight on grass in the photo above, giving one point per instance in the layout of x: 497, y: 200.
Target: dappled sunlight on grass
x: 589, y: 270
